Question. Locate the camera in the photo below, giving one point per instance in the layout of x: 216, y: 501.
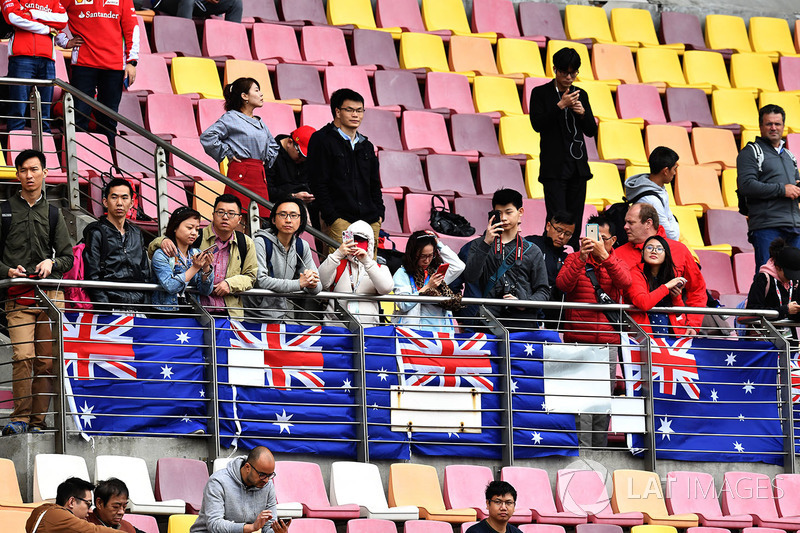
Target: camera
x: 509, y: 287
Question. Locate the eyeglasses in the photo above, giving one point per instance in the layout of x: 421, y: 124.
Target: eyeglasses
x: 263, y: 476
x: 84, y: 500
x: 561, y: 232
x: 352, y: 110
x: 656, y: 249
x: 226, y: 214
x: 290, y: 216
x: 425, y: 257
x: 606, y: 239
x: 569, y: 73
x: 507, y: 503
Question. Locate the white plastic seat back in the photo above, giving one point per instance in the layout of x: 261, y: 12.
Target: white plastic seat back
x: 133, y: 471
x: 51, y: 469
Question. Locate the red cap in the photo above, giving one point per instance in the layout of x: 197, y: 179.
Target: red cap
x: 300, y: 136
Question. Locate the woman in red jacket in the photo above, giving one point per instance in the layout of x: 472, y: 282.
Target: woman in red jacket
x: 654, y: 284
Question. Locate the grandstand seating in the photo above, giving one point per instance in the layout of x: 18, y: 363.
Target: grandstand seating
x: 370, y: 525
x: 315, y: 115
x: 690, y: 230
x: 730, y: 106
x: 355, y: 13
x: 182, y: 479
x: 275, y: 43
x: 421, y: 129
x: 398, y: 88
x: 621, y: 140
x: 753, y: 496
x: 401, y: 172
x: 706, y: 67
x: 360, y: 484
x: 225, y: 40
x: 496, y: 94
x: 590, y: 22
x: 428, y: 526
x: 675, y: 137
x: 404, y: 14
x: 727, y: 31
x: 517, y: 56
x: 304, y: 11
x: 602, y: 102
x: 786, y: 491
x: 713, y: 145
x: 299, y: 81
x: 133, y: 471
x: 753, y: 71
x: 449, y: 15
x: 180, y: 523
x: 195, y: 76
x: 175, y: 35
x: 585, y: 73
x: 416, y: 484
x: 613, y: 62
x: 152, y: 76
x: 692, y: 105
x: 789, y: 73
x: 93, y: 154
x: 473, y: 54
x: 50, y: 469
x: 313, y: 525
x: 636, y: 490
x: 14, y: 520
x: 694, y: 492
x: 497, y: 16
x: 464, y: 486
x: 605, y: 187
x: 727, y: 226
x: 10, y: 495
x: 698, y: 185
x: 542, y: 19
x: 770, y: 35
x: 171, y: 115
x: 474, y: 132
x: 790, y: 104
x: 685, y: 28
x: 371, y: 47
x: 450, y: 175
x: 258, y: 11
x: 144, y: 522
x: 718, y: 273
x: 662, y: 67
x: 636, y: 25
x: 643, y: 101
x: 585, y: 490
x: 535, y: 497
x: 517, y: 136
x: 447, y: 90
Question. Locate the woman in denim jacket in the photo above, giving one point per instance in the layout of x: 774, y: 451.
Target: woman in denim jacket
x: 189, y: 267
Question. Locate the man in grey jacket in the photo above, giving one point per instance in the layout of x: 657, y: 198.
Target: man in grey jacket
x: 767, y: 180
x: 240, y: 498
x: 651, y: 188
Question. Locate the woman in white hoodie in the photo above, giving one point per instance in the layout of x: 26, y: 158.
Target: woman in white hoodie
x: 351, y: 269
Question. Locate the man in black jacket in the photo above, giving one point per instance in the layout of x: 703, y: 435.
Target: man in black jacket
x: 557, y: 232
x: 115, y: 251
x: 561, y: 113
x: 344, y: 169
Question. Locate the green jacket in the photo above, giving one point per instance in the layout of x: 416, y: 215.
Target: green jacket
x: 28, y: 239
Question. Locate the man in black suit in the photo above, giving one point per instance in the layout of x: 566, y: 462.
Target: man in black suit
x: 561, y: 113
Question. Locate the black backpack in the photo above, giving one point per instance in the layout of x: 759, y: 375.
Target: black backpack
x: 616, y: 214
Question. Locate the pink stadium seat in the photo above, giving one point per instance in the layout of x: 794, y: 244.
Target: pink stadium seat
x: 152, y: 76
x: 144, y: 41
x: 372, y: 47
x: 391, y: 222
x: 130, y: 107
x: 22, y: 140
x: 541, y: 528
x: 381, y: 128
x: 175, y: 35
x: 477, y: 133
x: 684, y: 28
x: 302, y: 482
x: 403, y: 14
x: 789, y: 73
x: 176, y: 197
x: 184, y: 479
x: 638, y: 100
x: 787, y: 489
x: 725, y: 226
x: 179, y: 167
x: 274, y: 43
x: 278, y: 117
x: 449, y: 90
x: 464, y: 487
x: 371, y: 525
x: 527, y: 87
x: 499, y: 173
x: 718, y: 273
x: 498, y: 16
x: 744, y: 267
x: 259, y: 11
x: 708, y: 529
x: 134, y: 156
x: 93, y: 154
x: 598, y: 528
x: 421, y: 129
x: 324, y: 43
x: 401, y: 172
x: 532, y: 223
x: 584, y: 490
x: 143, y: 522
x: 534, y: 494
x: 306, y: 11
x: 208, y: 111
x: 541, y: 19
x: 312, y: 525
x: 223, y: 39
x: 399, y: 88
x: 427, y: 526
x: 686, y: 104
x: 694, y: 492
x: 750, y: 493
x: 315, y: 116
x: 298, y: 81
x: 451, y: 174
x: 466, y: 525
x: 475, y: 209
x: 793, y: 142
x: 417, y: 212
x: 171, y: 115
x: 355, y: 78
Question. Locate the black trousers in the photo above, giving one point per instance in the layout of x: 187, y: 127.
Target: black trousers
x: 566, y: 195
x: 107, y: 84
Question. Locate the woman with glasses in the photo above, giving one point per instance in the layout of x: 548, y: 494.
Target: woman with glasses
x: 654, y: 284
x: 421, y: 274
x: 244, y: 139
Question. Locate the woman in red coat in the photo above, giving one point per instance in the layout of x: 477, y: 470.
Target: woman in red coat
x: 654, y: 284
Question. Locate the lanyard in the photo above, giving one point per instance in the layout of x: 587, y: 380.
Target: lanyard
x: 517, y: 252
x: 778, y: 291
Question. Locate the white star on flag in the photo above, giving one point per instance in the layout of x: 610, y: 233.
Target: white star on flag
x: 346, y: 385
x: 665, y: 428
x: 451, y: 435
x: 730, y: 359
x: 183, y: 337
x: 186, y: 419
x: 202, y: 393
x: 748, y: 387
x: 282, y: 421
x: 537, y: 437
x: 529, y: 350
x: 544, y: 406
x: 514, y: 386
x: 739, y: 447
x: 374, y: 406
x: 714, y: 395
x: 87, y: 415
x: 383, y: 375
x: 741, y: 417
x: 166, y: 372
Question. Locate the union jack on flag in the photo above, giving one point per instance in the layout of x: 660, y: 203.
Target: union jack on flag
x: 672, y: 365
x: 794, y: 366
x: 443, y: 360
x: 280, y: 355
x: 89, y: 346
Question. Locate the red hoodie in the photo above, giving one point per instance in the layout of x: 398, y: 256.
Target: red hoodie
x: 109, y: 29
x: 34, y: 22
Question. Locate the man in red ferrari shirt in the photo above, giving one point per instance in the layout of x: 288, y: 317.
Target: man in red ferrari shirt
x: 105, y: 51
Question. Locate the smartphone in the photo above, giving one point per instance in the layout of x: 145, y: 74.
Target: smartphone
x: 286, y: 521
x: 593, y: 231
x: 212, y: 249
x: 32, y: 276
x: 443, y: 268
x: 347, y: 235
x: 495, y: 216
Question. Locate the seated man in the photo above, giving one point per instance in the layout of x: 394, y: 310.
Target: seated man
x: 110, y: 500
x: 651, y: 188
x: 504, y: 265
x: 73, y: 501
x: 557, y: 233
x: 115, y: 251
x: 501, y: 498
x: 241, y: 498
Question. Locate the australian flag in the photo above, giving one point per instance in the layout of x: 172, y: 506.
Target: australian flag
x: 134, y: 375
x: 715, y: 399
x: 287, y: 387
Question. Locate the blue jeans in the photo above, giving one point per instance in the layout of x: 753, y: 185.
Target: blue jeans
x: 762, y: 238
x: 34, y: 68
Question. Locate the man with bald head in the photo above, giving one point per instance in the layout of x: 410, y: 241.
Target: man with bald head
x: 240, y: 498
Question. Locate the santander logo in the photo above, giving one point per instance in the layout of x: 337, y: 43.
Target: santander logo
x: 85, y: 15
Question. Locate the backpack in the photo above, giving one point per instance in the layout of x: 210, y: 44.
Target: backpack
x: 759, y: 153
x: 444, y: 221
x: 616, y: 214
x: 298, y: 246
x: 77, y: 297
x: 309, y: 306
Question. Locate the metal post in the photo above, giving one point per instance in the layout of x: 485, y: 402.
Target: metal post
x: 785, y: 384
x: 70, y: 149
x: 646, y: 373
x: 506, y: 400
x: 162, y: 198
x: 253, y: 216
x: 210, y: 338
x: 360, y: 380
x: 36, y: 116
x: 60, y: 402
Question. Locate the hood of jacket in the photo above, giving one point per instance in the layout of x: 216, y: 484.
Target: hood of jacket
x: 769, y: 269
x: 639, y: 184
x: 363, y: 230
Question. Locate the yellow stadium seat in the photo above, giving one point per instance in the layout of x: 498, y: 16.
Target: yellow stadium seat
x: 196, y: 75
x: 653, y: 529
x: 662, y: 65
x: 423, y: 50
x: 698, y: 185
x: 473, y: 54
x: 753, y: 71
x: 357, y: 13
x: 691, y: 236
x: 789, y: 101
x: 636, y: 25
x: 605, y: 187
x: 585, y: 72
x: 496, y: 94
x: 771, y: 36
x: 706, y: 66
x: 602, y: 102
x: 519, y: 56
x: 533, y: 187
x: 632, y: 170
x: 517, y: 136
x: 636, y: 490
x: 620, y: 140
x: 205, y: 192
x: 731, y: 106
x: 729, y: 187
x: 748, y: 136
x: 180, y: 523
x: 714, y: 145
x: 418, y: 485
x: 614, y: 62
x: 450, y: 15
x: 590, y: 22
x: 244, y: 68
x: 675, y: 137
x: 727, y: 31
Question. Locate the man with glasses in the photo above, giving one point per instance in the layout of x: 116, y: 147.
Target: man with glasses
x: 110, y: 501
x: 68, y: 514
x: 561, y: 113
x: 557, y: 232
x: 240, y: 497
x: 501, y: 500
x: 344, y: 169
x: 235, y: 264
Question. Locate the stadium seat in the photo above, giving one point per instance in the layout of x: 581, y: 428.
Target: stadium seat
x: 304, y: 12
x: 613, y: 62
x: 421, y: 129
x: 753, y: 71
x: 258, y: 11
x: 14, y: 520
x: 225, y: 40
x: 597, y: 528
x: 50, y: 469
x: 276, y: 43
x: 475, y: 209
x: 790, y: 102
x: 450, y: 15
x: 416, y: 484
x: 204, y: 192
x: 175, y: 35
x: 690, y: 230
x: 685, y: 28
x: 793, y: 142
x: 21, y: 140
x: 636, y: 490
x: 473, y: 54
x: 300, y: 82
x: 421, y: 50
x: 553, y: 46
x: 371, y: 525
x: 674, y: 137
x: 449, y: 173
x: 535, y: 219
x: 744, y: 265
x: 603, y: 107
x: 380, y: 126
x: 355, y: 13
x: 771, y: 36
x: 585, y: 490
x: 377, y: 48
x: 542, y: 19
x: 146, y: 523
x: 605, y: 187
x: 474, y: 132
x: 10, y: 495
x: 753, y: 496
x: 152, y: 76
x: 323, y: 43
x: 355, y: 78
x: 449, y: 91
x: 694, y: 492
x: 195, y: 75
x: 208, y: 111
x: 727, y: 226
x: 718, y: 273
x: 399, y: 88
x: 706, y: 67
x: 659, y: 66
x: 534, y: 496
x: 727, y: 31
x: 643, y: 101
x: 714, y: 145
x: 517, y: 56
x: 517, y: 136
x: 360, y: 484
x: 621, y: 140
x: 789, y: 73
x: 401, y: 173
x: 93, y: 154
x: 590, y: 22
x: 180, y: 523
x: 464, y: 486
x: 392, y: 225
x: 302, y: 482
x: 498, y: 16
x: 148, y: 198
x: 236, y: 68
x: 787, y: 487
x: 692, y: 105
x: 533, y: 186
x: 315, y: 115
x: 180, y: 168
x: 527, y: 89
x: 728, y: 185
x: 312, y: 525
x: 278, y: 117
x: 183, y: 479
x: 404, y: 14
x: 135, y: 156
x: 541, y: 528
x: 133, y: 471
x: 496, y: 94
x: 731, y: 106
x: 636, y: 25
x: 170, y: 115
x: 698, y: 185
x: 428, y: 526
x: 130, y: 107
x: 499, y: 173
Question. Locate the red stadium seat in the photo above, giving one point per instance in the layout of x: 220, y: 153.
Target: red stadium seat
x: 687, y: 104
x: 304, y: 11
x: 152, y: 76
x: 372, y: 47
x: 315, y: 115
x: 22, y: 140
x: 725, y: 226
x: 259, y: 11
x: 171, y: 115
x: 744, y: 268
x: 718, y: 273
x: 403, y: 14
x: 541, y: 19
x: 498, y: 16
x: 381, y: 128
x: 391, y: 221
x: 208, y: 111
x: 278, y: 117
x: 499, y: 173
x: 475, y: 132
x: 634, y: 101
x: 130, y: 107
x: 179, y: 167
x: 398, y: 88
x: 225, y: 40
x: 401, y: 172
x: 685, y: 28
x: 273, y: 43
x: 143, y: 522
x: 753, y: 496
x: 448, y: 90
x: 789, y: 73
x: 475, y: 209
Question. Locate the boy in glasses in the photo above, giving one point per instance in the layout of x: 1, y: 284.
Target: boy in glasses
x: 501, y: 499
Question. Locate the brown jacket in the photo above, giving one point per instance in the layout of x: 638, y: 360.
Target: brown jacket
x: 59, y: 520
x: 124, y: 526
